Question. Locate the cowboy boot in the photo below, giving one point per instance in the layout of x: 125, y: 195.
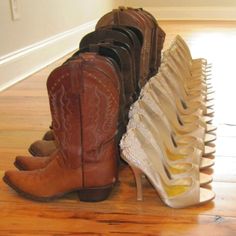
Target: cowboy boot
x: 31, y: 163
x: 45, y: 147
x: 41, y: 148
x: 48, y: 135
x: 84, y: 107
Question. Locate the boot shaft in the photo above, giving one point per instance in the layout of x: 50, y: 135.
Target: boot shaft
x: 84, y: 105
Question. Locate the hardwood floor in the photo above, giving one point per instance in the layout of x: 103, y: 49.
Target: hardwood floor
x: 24, y: 117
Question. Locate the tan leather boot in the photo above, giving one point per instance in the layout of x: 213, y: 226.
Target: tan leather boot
x: 84, y: 105
x: 48, y: 135
x: 32, y: 163
x: 41, y: 148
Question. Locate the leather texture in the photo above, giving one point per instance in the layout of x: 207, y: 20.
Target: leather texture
x: 153, y: 36
x: 110, y: 57
x: 84, y: 104
x: 122, y: 41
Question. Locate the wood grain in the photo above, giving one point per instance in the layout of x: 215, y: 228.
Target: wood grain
x: 24, y: 117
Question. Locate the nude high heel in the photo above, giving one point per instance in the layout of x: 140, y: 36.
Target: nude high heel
x: 194, y: 83
x: 170, y: 88
x: 196, y: 73
x: 148, y: 108
x: 175, y: 193
x: 186, y: 115
x: 176, y: 120
x: 197, y: 101
x: 199, y: 63
x: 173, y: 155
x: 175, y: 83
x: 176, y: 169
x: 177, y: 127
x: 155, y: 120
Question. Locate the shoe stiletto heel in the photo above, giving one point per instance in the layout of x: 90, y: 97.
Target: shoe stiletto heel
x: 176, y: 193
x: 138, y: 180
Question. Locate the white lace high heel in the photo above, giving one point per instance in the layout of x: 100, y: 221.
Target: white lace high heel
x: 175, y: 120
x: 176, y: 193
x: 170, y: 72
x: 158, y: 126
x: 175, y: 168
x: 148, y: 108
x: 175, y: 53
x: 185, y: 114
x: 194, y: 106
x: 198, y: 133
x: 195, y: 86
x: 199, y: 63
x: 181, y: 105
x: 196, y: 74
x: 195, y: 83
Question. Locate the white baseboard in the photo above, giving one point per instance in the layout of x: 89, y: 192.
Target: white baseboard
x: 193, y: 13
x: 18, y: 65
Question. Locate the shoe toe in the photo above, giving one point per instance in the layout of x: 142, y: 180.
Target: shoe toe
x: 21, y: 162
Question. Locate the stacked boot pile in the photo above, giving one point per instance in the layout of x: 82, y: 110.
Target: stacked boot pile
x: 169, y: 137
x: 133, y: 39
x: 90, y: 95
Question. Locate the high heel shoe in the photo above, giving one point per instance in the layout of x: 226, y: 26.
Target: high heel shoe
x: 171, y: 73
x: 196, y: 64
x: 175, y: 158
x: 171, y: 117
x: 185, y: 114
x: 193, y: 73
x: 176, y: 193
x: 194, y: 87
x: 175, y: 168
x: 160, y: 128
x: 175, y: 119
x: 181, y: 79
x: 194, y: 106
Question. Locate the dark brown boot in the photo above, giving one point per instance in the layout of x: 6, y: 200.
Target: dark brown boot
x: 84, y: 105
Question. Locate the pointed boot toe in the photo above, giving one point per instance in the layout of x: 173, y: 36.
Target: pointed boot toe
x: 48, y: 136
x: 31, y: 163
x: 49, y: 183
x: 13, y: 178
x: 42, y: 148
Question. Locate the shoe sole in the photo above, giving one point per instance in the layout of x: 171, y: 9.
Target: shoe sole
x: 86, y: 195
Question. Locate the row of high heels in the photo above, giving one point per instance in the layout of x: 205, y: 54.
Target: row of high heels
x: 170, y: 135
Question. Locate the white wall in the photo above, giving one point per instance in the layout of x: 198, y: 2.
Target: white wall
x: 49, y: 29
x: 46, y: 31
x: 188, y: 9
x: 41, y: 19
x: 181, y: 3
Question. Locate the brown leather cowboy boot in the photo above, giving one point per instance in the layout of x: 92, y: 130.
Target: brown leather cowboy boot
x: 84, y: 105
x: 32, y: 163
x: 41, y: 148
x: 48, y: 135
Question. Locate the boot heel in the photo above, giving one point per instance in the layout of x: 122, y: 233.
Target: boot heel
x: 94, y: 194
